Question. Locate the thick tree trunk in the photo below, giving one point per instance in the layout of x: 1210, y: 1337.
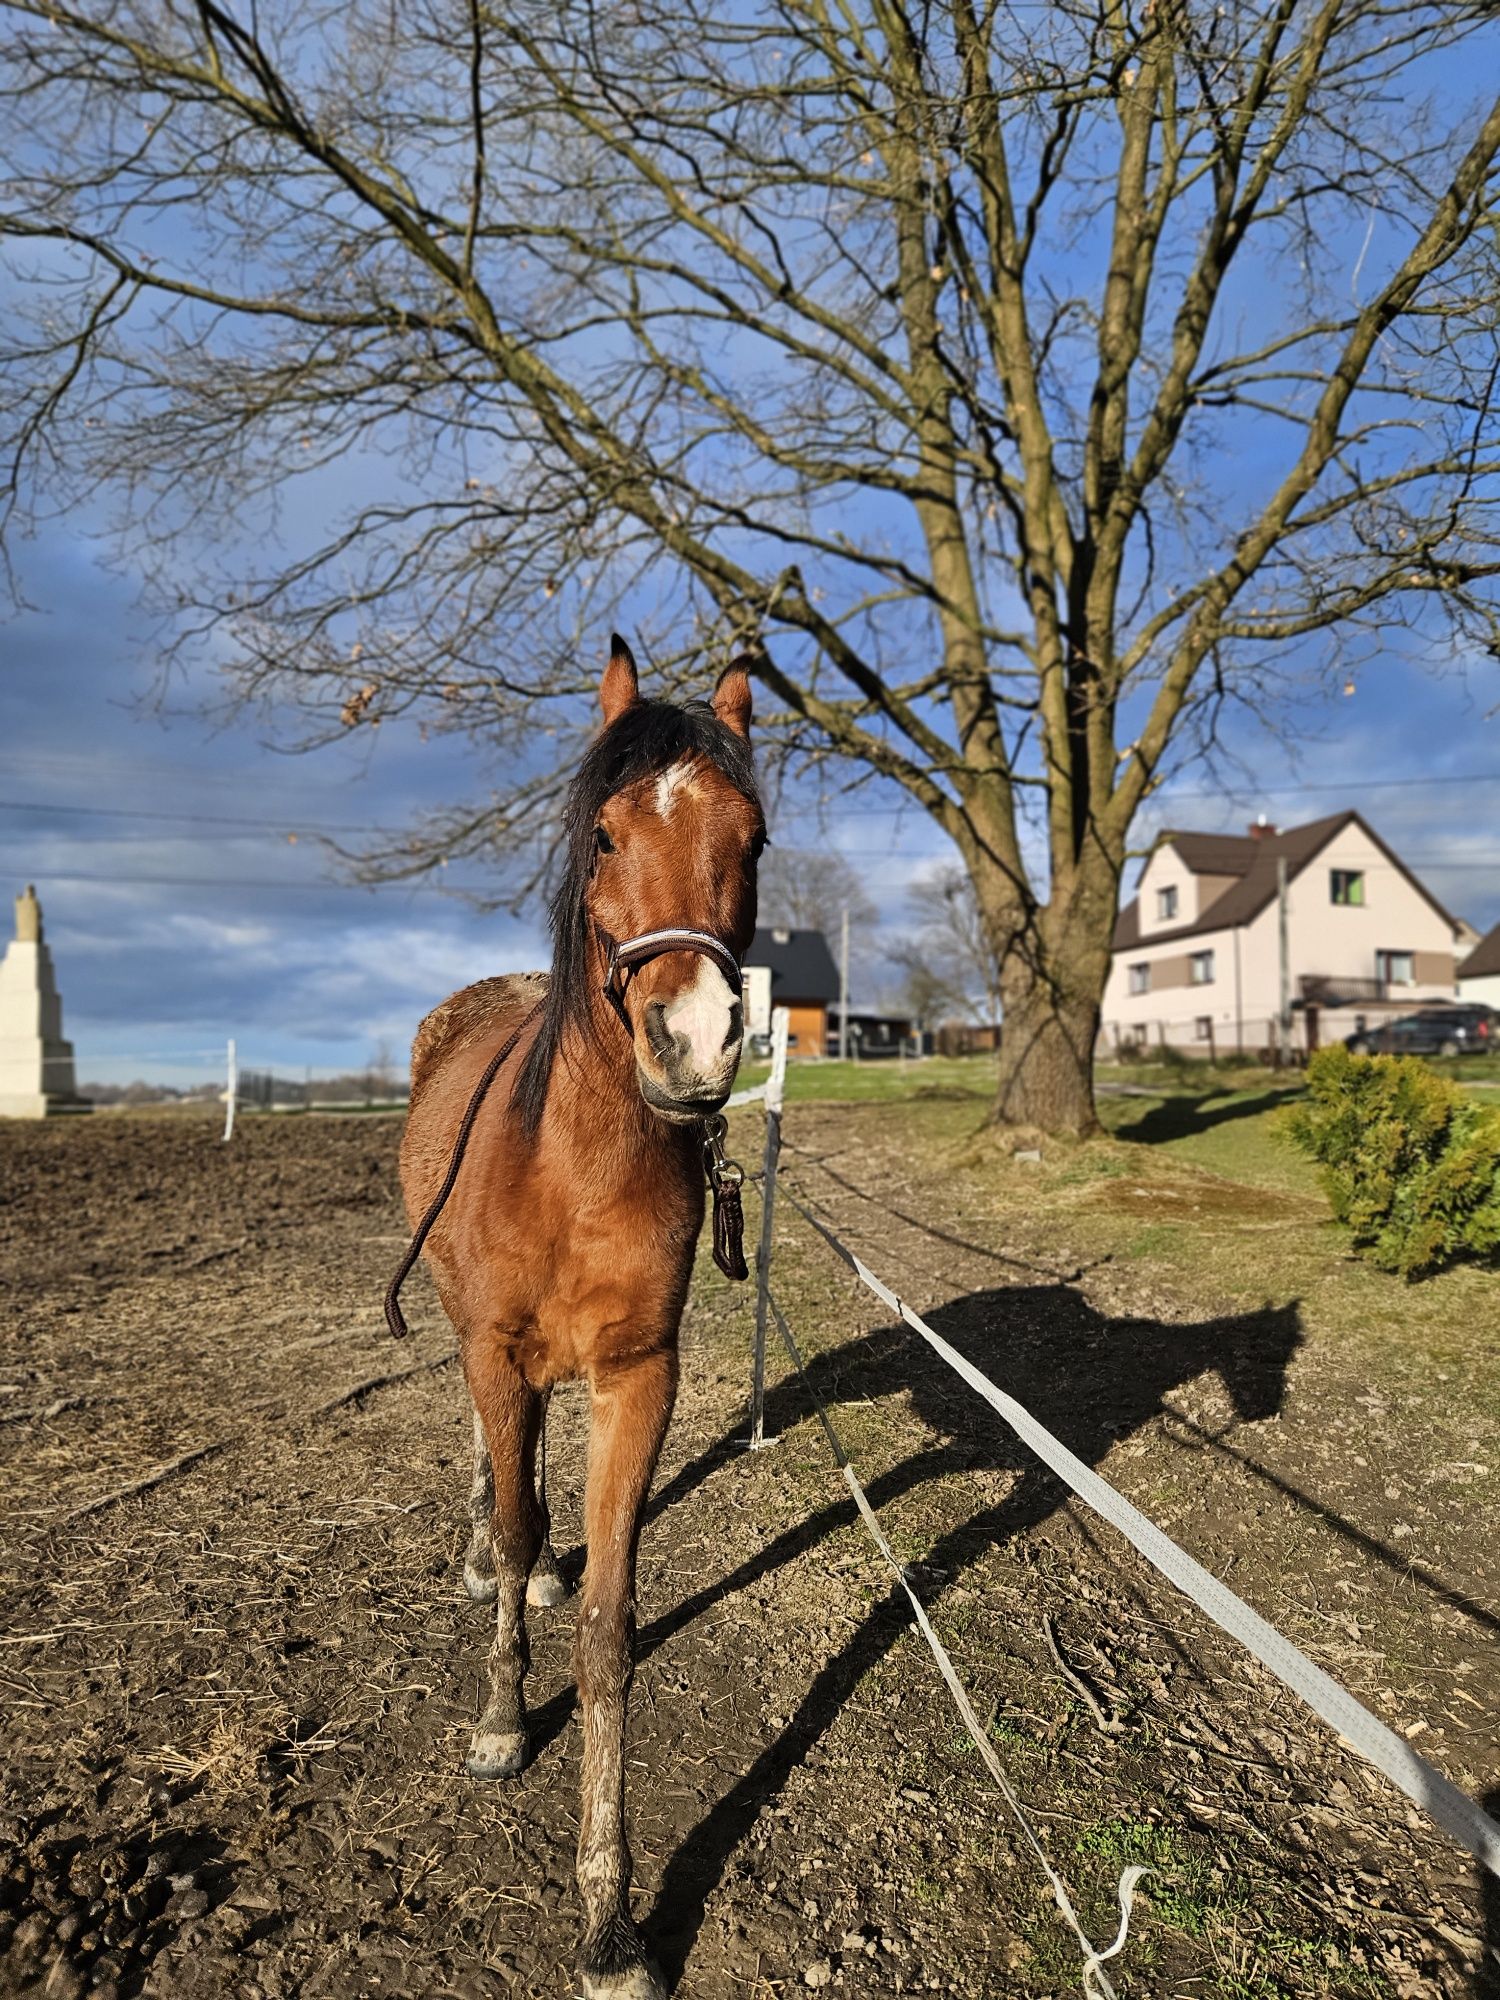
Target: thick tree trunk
x: 1053, y: 971
x: 1047, y: 1056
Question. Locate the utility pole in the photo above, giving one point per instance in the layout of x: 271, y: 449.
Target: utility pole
x: 1283, y: 912
x: 844, y: 987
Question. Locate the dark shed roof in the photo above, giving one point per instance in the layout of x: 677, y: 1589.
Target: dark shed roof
x: 1484, y: 958
x: 1253, y: 859
x: 802, y: 966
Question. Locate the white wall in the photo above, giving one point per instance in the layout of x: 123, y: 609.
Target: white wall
x: 1166, y: 870
x: 1326, y: 937
x: 1177, y: 1009
x: 1485, y: 989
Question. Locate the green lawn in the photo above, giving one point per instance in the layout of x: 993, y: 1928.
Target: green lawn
x: 879, y: 1082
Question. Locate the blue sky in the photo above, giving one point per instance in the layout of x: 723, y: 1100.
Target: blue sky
x: 171, y: 933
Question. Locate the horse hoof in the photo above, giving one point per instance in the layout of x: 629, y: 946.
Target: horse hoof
x: 483, y: 1589
x: 492, y: 1756
x: 545, y: 1590
x: 640, y: 1982
x: 613, y: 1965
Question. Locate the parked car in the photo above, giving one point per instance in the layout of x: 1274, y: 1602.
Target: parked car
x: 1436, y: 1031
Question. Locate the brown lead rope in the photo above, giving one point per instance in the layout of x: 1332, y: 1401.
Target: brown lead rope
x: 726, y: 1177
x: 395, y: 1319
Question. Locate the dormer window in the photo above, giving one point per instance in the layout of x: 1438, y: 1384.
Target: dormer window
x: 1166, y: 904
x: 1346, y: 886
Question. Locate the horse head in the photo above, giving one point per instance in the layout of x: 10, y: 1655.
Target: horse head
x: 674, y: 832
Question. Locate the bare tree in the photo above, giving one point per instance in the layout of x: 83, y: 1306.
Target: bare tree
x: 381, y: 1077
x: 949, y: 962
x: 809, y: 888
x: 1022, y: 384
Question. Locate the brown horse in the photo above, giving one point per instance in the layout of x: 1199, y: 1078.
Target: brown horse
x: 566, y: 1246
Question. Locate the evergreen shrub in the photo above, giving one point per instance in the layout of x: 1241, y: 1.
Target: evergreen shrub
x: 1411, y: 1166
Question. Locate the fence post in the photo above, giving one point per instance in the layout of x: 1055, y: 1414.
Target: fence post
x: 231, y: 1091
x: 775, y: 1084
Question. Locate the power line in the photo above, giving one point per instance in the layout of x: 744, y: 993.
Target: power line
x: 290, y: 824
x: 1169, y: 795
x: 241, y: 882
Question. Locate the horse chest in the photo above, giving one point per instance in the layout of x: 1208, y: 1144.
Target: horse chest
x: 567, y: 1288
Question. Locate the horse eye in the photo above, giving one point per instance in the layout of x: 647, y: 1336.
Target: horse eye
x: 602, y: 841
x: 758, y: 846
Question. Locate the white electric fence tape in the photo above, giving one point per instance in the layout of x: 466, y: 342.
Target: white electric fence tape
x: 1095, y: 1980
x: 751, y: 1094
x: 1422, y: 1782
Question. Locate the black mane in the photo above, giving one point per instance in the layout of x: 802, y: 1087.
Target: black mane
x: 650, y: 737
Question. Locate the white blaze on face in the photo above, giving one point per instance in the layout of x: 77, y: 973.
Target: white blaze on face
x: 700, y: 1013
x: 673, y: 784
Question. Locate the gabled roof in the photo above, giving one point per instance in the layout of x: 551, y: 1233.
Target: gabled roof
x: 802, y: 966
x: 1484, y: 958
x: 1214, y: 853
x: 1252, y: 858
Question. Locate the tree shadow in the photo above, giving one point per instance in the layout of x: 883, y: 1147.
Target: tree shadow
x: 1184, y: 1117
x: 1089, y: 1378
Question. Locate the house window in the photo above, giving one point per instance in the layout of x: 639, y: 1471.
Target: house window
x: 1347, y: 886
x: 1203, y: 1028
x: 1396, y: 968
x: 1166, y: 904
x: 1140, y: 978
x: 1201, y: 968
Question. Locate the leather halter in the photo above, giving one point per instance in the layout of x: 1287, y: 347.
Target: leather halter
x: 627, y: 953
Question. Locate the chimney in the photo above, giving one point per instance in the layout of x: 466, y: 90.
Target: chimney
x: 1262, y: 831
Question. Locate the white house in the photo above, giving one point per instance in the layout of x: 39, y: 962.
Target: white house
x: 1479, y: 973
x: 1196, y: 961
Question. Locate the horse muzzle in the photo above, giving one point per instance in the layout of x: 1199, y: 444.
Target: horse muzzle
x: 685, y: 1108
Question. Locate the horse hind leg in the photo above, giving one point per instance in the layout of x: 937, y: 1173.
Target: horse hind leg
x: 479, y: 1563
x: 511, y: 1413
x: 545, y: 1586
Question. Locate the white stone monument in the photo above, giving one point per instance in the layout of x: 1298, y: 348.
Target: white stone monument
x: 36, y: 1064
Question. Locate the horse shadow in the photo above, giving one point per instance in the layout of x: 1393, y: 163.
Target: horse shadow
x: 1092, y: 1379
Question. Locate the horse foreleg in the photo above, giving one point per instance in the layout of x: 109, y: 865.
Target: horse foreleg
x: 546, y: 1586
x: 510, y: 1412
x: 631, y: 1407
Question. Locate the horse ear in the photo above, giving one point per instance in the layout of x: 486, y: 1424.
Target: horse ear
x: 619, y: 688
x: 731, y: 698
